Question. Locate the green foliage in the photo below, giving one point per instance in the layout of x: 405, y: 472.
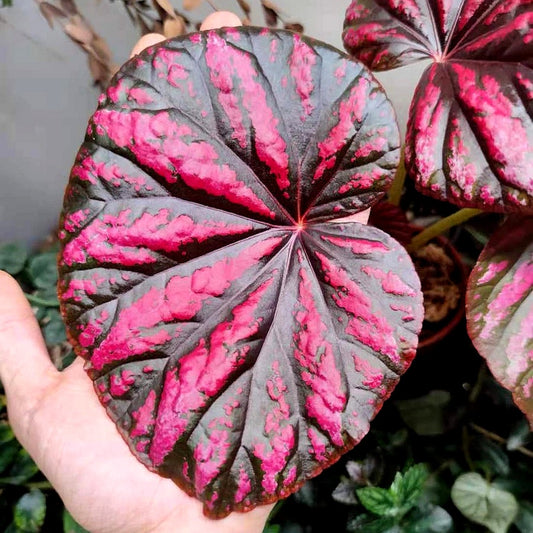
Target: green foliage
x: 425, y: 415
x: 400, y: 497
x: 42, y: 270
x: 30, y: 512
x: 12, y: 257
x: 483, y: 503
x: 71, y: 526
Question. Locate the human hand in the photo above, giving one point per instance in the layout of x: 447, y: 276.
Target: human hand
x: 57, y: 417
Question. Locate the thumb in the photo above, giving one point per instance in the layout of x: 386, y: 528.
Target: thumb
x: 25, y: 367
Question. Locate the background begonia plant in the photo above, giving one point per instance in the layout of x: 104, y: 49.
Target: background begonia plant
x: 470, y: 141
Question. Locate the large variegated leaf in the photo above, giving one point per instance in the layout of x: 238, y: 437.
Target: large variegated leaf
x: 500, y: 308
x: 470, y: 132
x: 240, y: 340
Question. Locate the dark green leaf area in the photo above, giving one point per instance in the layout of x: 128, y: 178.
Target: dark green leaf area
x: 425, y: 415
x: 20, y: 469
x: 42, y: 270
x: 524, y: 518
x: 13, y: 257
x: 70, y: 525
x: 53, y: 328
x: 30, y: 511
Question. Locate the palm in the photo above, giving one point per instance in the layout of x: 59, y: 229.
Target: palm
x: 58, y: 418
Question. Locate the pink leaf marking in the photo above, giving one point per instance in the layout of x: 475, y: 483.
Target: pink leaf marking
x: 180, y: 300
x: 390, y: 282
x: 167, y: 147
x: 144, y: 416
x: 120, y: 385
x: 90, y: 170
x: 319, y: 371
x: 493, y: 113
x: 358, y: 246
x: 350, y: 110
x: 117, y: 239
x: 367, y: 327
x: 234, y: 63
x: 301, y: 63
x: 202, y: 372
x: 492, y: 270
x: 511, y: 293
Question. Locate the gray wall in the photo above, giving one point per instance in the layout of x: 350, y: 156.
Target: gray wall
x: 46, y: 98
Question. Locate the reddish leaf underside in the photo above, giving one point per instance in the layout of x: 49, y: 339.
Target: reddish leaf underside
x: 470, y: 133
x: 240, y: 340
x: 500, y: 308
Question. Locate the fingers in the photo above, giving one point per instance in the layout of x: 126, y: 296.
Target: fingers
x: 361, y: 217
x: 145, y: 41
x: 25, y: 367
x: 220, y: 19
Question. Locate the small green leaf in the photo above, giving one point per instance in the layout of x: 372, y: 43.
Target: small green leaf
x: 377, y: 500
x: 483, y: 503
x: 42, y: 270
x: 270, y: 528
x: 13, y: 257
x: 6, y: 433
x: 425, y: 415
x: 22, y: 468
x: 495, y: 458
x: 71, y: 526
x: 524, y: 518
x: 54, y: 328
x: 370, y: 524
x: 30, y: 511
x: 8, y: 452
x: 408, y: 487
x: 430, y: 519
x: 519, y: 435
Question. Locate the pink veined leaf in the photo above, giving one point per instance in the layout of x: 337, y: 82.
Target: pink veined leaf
x: 500, y: 308
x: 470, y: 134
x: 240, y: 340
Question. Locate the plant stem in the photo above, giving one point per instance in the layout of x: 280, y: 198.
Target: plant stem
x: 501, y: 440
x: 43, y: 485
x: 441, y: 226
x: 395, y: 192
x: 466, y: 449
x: 41, y: 301
x: 478, y: 385
x: 213, y: 6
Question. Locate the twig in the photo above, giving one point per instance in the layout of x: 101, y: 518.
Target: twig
x: 501, y: 440
x: 395, y: 192
x: 466, y: 449
x: 441, y: 226
x: 213, y: 6
x: 41, y: 301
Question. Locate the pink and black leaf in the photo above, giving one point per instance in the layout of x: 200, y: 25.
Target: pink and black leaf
x: 470, y: 132
x: 500, y: 308
x: 240, y: 339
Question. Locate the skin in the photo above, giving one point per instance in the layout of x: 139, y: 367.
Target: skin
x: 57, y: 417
